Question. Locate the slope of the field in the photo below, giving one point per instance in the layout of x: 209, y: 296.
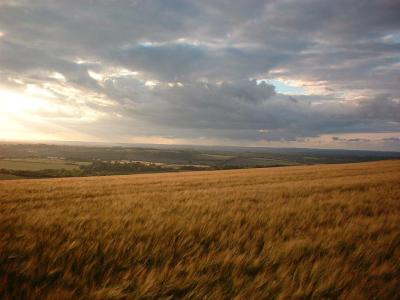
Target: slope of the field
x: 328, y: 231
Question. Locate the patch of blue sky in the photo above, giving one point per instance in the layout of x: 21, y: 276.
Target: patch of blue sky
x: 284, y: 88
x: 393, y: 38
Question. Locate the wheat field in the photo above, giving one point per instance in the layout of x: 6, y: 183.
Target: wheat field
x: 308, y: 232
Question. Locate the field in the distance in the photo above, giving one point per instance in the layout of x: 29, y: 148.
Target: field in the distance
x: 325, y: 231
x: 36, y: 164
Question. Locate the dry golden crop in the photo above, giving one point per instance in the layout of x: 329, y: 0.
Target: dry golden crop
x: 322, y: 232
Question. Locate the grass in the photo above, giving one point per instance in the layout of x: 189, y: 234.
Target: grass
x: 313, y: 232
x: 36, y: 164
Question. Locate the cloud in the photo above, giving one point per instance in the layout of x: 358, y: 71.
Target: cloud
x: 392, y: 139
x: 247, y: 110
x: 335, y: 138
x: 182, y: 61
x: 382, y: 107
x: 201, y: 60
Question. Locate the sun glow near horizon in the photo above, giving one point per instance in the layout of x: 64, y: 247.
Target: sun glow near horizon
x: 32, y: 114
x: 15, y: 110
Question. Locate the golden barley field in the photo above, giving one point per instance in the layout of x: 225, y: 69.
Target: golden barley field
x: 308, y: 232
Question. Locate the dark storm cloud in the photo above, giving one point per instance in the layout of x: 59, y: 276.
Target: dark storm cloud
x: 247, y: 110
x: 183, y: 61
x: 215, y: 49
x: 381, y: 107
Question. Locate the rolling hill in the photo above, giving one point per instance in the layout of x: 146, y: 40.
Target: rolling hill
x: 301, y: 232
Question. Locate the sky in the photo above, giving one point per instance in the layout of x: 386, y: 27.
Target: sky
x: 287, y: 73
